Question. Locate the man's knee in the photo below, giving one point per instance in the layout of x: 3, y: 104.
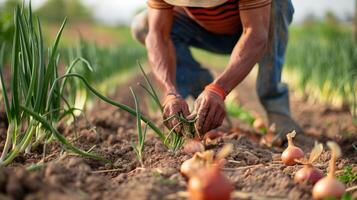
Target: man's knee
x: 140, y: 27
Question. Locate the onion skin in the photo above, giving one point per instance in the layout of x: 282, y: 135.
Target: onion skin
x: 259, y: 124
x: 193, y: 146
x: 328, y: 187
x: 213, y: 134
x: 290, y: 154
x: 308, y: 173
x: 191, y: 167
x: 210, y: 184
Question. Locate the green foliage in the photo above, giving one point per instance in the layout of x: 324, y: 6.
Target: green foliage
x: 57, y: 10
x: 237, y: 111
x: 36, y: 105
x: 348, y: 175
x: 6, y: 21
x: 321, y: 61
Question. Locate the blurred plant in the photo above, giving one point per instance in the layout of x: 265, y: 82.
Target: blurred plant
x: 56, y: 10
x: 321, y: 62
x: 348, y: 175
x: 6, y: 21
x: 237, y: 111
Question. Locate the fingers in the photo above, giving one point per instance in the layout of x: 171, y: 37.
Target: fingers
x: 185, y: 110
x: 202, y: 112
x: 210, y: 112
x: 173, y: 108
x: 208, y: 123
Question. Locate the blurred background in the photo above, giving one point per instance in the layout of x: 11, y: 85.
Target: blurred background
x: 321, y: 60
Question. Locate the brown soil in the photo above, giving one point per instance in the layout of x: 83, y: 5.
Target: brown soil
x: 256, y: 172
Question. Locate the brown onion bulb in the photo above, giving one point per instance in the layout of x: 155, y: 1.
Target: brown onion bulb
x: 308, y: 173
x: 291, y: 153
x: 193, y: 146
x: 210, y: 184
x: 259, y: 123
x: 328, y: 187
x: 195, y: 164
x: 213, y: 134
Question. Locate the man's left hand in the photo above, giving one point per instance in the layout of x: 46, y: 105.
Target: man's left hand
x: 210, y: 111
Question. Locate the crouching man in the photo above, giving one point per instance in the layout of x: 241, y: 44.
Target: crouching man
x: 251, y: 31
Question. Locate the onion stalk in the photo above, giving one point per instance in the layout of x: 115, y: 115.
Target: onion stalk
x: 329, y: 186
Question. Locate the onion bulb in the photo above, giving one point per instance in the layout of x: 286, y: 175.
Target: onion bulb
x: 210, y: 184
x: 330, y: 187
x: 199, y: 161
x: 291, y: 153
x: 213, y: 134
x: 259, y: 123
x: 193, y: 146
x: 309, y: 173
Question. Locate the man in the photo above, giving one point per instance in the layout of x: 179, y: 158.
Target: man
x: 251, y: 31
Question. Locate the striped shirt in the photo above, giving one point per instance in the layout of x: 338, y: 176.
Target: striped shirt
x: 222, y: 19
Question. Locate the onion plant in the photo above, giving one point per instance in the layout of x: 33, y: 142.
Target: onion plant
x: 139, y: 147
x: 32, y: 112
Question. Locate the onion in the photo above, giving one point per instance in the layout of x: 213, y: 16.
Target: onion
x: 291, y: 153
x: 193, y: 146
x: 210, y: 184
x: 259, y: 123
x: 213, y: 134
x: 309, y: 173
x: 330, y: 187
x: 198, y: 162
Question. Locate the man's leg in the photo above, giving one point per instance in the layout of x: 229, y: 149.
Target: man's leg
x: 272, y: 93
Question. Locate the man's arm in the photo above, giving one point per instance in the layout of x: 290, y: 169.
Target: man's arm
x: 160, y: 48
x: 249, y: 49
x: 161, y: 54
x: 251, y: 46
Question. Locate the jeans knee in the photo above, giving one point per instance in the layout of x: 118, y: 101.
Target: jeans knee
x: 140, y: 27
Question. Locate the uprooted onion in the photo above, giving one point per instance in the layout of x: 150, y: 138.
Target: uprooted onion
x: 193, y: 146
x: 259, y: 123
x: 209, y: 183
x: 292, y: 152
x: 329, y: 186
x: 309, y: 173
x: 199, y: 161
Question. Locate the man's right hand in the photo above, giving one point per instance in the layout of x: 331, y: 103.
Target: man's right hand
x: 174, y: 104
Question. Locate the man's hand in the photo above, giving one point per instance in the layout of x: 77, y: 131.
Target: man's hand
x: 210, y: 111
x: 174, y: 104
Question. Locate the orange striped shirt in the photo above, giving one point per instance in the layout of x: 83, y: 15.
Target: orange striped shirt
x: 222, y: 19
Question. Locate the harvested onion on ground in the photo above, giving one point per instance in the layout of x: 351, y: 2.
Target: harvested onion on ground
x: 199, y: 161
x: 292, y: 152
x: 193, y: 146
x: 329, y: 186
x: 213, y: 134
x: 309, y: 173
x: 209, y: 183
x: 259, y: 123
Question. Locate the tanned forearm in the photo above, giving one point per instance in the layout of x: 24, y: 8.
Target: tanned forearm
x: 161, y: 52
x: 249, y: 49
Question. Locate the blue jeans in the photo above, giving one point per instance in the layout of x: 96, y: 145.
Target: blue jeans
x: 191, y: 77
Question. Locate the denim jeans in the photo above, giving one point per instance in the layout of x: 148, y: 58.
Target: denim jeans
x: 191, y: 77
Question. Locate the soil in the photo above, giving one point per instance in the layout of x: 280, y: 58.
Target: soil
x: 254, y: 169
